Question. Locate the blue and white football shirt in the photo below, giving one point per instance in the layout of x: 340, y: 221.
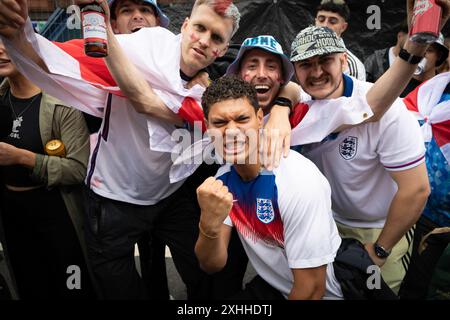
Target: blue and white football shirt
x: 285, y: 222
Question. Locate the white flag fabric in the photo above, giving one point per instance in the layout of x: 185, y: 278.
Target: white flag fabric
x: 85, y: 82
x: 424, y: 103
x: 312, y: 121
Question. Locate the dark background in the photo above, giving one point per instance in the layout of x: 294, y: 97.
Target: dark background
x: 285, y: 18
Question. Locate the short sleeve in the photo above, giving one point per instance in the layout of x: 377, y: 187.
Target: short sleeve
x: 310, y: 233
x: 401, y: 144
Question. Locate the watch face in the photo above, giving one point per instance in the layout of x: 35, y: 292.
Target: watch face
x: 380, y: 252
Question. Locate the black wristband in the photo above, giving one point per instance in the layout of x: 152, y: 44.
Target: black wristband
x: 380, y: 251
x: 284, y: 102
x: 408, y: 57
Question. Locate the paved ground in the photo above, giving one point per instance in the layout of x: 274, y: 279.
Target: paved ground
x: 176, y: 286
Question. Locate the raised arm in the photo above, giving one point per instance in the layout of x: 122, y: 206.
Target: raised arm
x: 44, y: 63
x: 392, y: 83
x: 129, y: 78
x: 13, y: 16
x: 214, y: 236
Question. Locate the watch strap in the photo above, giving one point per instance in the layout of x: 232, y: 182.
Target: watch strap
x: 408, y: 57
x: 285, y: 102
x: 380, y: 251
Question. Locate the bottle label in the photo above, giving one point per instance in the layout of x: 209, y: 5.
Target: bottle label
x: 421, y: 6
x: 94, y: 25
x: 425, y: 21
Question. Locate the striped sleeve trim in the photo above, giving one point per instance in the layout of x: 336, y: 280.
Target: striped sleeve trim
x: 352, y: 66
x: 406, y: 166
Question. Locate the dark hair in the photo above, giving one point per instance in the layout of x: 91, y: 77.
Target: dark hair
x: 341, y: 8
x: 113, y: 7
x: 227, y: 88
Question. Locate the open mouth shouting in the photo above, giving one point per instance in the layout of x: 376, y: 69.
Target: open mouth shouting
x: 262, y: 88
x: 265, y: 93
x: 137, y: 28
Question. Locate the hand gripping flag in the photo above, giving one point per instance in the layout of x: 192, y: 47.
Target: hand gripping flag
x: 424, y: 103
x: 85, y: 82
x: 312, y: 121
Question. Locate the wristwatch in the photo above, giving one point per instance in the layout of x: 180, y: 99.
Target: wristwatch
x: 408, y: 57
x: 380, y: 251
x: 285, y: 102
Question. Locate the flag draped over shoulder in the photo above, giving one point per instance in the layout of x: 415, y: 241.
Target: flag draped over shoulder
x: 85, y: 82
x: 424, y: 103
x: 313, y: 120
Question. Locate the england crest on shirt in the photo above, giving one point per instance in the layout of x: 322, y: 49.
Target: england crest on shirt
x: 264, y: 210
x: 348, y: 147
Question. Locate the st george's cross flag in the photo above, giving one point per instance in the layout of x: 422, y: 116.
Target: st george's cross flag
x: 154, y: 51
x: 85, y: 83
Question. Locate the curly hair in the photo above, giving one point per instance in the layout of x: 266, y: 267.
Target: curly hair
x: 227, y: 88
x: 335, y: 6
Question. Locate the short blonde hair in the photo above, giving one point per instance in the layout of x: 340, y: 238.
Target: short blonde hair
x: 224, y: 8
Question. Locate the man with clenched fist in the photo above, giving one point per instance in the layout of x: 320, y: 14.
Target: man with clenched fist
x: 283, y: 216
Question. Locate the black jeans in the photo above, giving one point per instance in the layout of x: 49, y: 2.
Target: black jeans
x: 258, y: 289
x: 417, y: 280
x: 114, y: 227
x: 220, y: 285
x: 41, y: 243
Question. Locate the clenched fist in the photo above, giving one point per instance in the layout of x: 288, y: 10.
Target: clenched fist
x: 215, y: 203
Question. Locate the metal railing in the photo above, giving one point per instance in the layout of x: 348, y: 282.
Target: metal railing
x: 56, y: 27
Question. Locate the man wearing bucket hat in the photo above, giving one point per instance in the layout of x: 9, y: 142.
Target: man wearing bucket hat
x: 435, y: 56
x: 261, y: 62
x: 370, y: 167
x: 128, y: 16
x: 111, y: 232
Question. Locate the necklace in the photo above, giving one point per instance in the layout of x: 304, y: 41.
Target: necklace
x: 16, y: 116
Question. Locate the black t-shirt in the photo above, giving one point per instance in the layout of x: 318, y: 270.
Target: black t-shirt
x: 24, y: 134
x: 5, y: 120
x: 93, y: 123
x: 412, y: 84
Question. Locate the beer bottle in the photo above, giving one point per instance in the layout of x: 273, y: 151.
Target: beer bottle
x: 425, y: 21
x: 94, y: 30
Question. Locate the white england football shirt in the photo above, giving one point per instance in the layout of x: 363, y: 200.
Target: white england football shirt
x: 357, y: 162
x: 131, y: 160
x: 284, y: 221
